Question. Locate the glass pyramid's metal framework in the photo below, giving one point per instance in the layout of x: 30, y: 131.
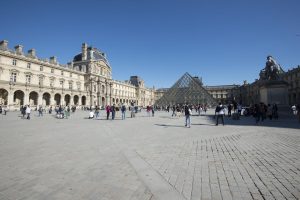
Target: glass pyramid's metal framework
x: 187, y: 90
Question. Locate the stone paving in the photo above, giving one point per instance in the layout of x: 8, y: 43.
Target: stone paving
x: 148, y: 158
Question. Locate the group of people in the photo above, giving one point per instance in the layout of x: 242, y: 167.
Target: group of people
x: 111, y: 111
x: 25, y: 111
x: 262, y: 111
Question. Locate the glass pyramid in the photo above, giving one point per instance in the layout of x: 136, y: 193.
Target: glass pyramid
x: 187, y: 90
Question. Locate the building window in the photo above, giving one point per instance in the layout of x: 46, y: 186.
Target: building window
x: 70, y: 74
x: 95, y: 89
x: 28, y: 79
x: 61, y: 82
x: 41, y: 68
x: 14, y: 62
x: 13, y: 77
x: 41, y: 81
x: 70, y: 86
x: 62, y: 73
x: 28, y: 65
x: 78, y: 86
x: 52, y: 71
x: 51, y: 83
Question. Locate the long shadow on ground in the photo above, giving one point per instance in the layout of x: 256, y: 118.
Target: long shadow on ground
x: 285, y: 122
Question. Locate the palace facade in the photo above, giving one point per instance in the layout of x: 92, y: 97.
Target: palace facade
x: 26, y: 79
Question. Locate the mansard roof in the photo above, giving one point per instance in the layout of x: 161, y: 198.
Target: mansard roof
x: 92, y: 54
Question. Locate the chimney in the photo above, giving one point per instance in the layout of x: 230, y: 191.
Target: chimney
x: 19, y: 49
x: 3, y: 44
x: 31, y: 53
x: 53, y: 60
x: 84, y: 51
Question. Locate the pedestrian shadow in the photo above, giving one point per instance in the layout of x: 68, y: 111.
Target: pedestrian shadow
x: 169, y: 125
x: 203, y: 124
x: 284, y: 122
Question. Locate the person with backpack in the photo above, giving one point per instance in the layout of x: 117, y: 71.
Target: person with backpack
x: 28, y: 111
x: 40, y: 110
x: 188, y: 113
x: 97, y: 111
x: 107, y: 111
x: 113, y: 111
x: 219, y: 112
x: 123, y: 111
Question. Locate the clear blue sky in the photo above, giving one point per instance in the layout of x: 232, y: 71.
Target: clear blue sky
x: 223, y: 41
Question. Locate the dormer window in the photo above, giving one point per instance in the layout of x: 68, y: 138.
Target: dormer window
x: 28, y: 65
x: 14, y: 62
x: 62, y: 73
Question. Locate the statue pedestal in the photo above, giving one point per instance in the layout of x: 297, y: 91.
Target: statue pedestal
x: 274, y: 91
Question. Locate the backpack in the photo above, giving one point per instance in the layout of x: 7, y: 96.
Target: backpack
x: 218, y: 109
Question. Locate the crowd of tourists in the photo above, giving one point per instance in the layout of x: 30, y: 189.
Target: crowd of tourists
x: 260, y: 112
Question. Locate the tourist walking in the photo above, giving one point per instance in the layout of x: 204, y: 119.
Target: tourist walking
x: 40, y: 110
x: 113, y: 111
x: 152, y: 109
x: 229, y: 110
x: 50, y: 110
x: 173, y: 110
x: 275, y: 111
x: 269, y: 112
x: 28, y: 111
x: 0, y: 109
x: 23, y: 111
x: 148, y: 110
x: 107, y: 111
x: 67, y: 112
x: 132, y: 111
x: 123, y: 111
x: 97, y: 111
x: 5, y: 109
x: 188, y: 113
x: 219, y: 113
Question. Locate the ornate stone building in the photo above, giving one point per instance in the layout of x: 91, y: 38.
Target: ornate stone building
x: 223, y: 93
x: 26, y: 79
x: 292, y: 77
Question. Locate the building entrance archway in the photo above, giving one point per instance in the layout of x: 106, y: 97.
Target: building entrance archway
x: 67, y: 99
x: 76, y: 100
x: 19, y: 97
x: 83, y: 100
x: 3, y: 96
x: 33, y: 98
x: 46, y: 99
x: 57, y: 98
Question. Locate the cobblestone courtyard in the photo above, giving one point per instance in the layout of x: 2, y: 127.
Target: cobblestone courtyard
x: 147, y: 158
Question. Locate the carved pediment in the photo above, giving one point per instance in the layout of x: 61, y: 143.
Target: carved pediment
x: 14, y: 71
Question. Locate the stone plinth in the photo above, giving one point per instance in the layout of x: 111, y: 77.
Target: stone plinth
x: 274, y: 91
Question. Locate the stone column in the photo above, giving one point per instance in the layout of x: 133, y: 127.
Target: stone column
x: 72, y: 100
x: 52, y: 101
x: 26, y: 98
x: 10, y: 100
x: 79, y: 100
x: 110, y: 89
x: 40, y: 99
x: 106, y: 94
